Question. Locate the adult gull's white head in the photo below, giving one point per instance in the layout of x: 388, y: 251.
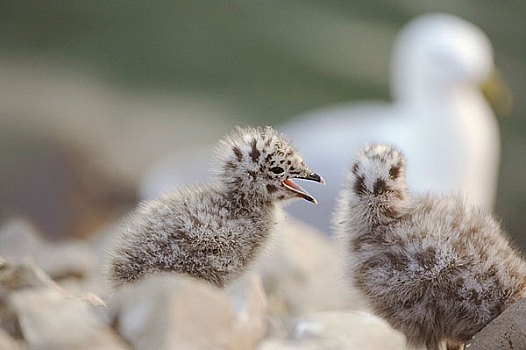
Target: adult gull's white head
x: 436, y: 53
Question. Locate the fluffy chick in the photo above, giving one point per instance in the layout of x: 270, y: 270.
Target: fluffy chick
x: 434, y: 268
x: 212, y: 231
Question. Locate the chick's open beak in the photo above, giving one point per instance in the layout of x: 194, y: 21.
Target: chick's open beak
x: 301, y: 192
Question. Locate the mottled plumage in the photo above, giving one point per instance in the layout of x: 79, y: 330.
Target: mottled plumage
x: 213, y: 231
x: 435, y: 268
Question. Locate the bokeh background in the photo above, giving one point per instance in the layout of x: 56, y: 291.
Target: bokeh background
x: 94, y: 92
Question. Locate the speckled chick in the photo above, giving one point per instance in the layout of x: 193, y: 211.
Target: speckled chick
x: 434, y: 268
x: 213, y: 231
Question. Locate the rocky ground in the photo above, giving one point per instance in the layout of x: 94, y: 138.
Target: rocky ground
x: 55, y: 296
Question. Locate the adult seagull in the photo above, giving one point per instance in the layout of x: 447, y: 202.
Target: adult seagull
x: 439, y: 118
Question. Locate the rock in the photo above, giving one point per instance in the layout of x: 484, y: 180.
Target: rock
x: 506, y: 332
x: 168, y: 311
x: 7, y: 342
x: 250, y: 306
x: 34, y: 308
x: 19, y: 239
x: 50, y: 320
x: 339, y: 330
x: 92, y: 299
x: 23, y: 275
x: 303, y: 273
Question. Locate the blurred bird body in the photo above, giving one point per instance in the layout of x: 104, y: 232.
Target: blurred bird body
x: 213, y: 231
x: 439, y: 118
x: 435, y: 268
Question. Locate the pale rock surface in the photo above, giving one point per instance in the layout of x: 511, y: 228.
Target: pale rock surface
x: 168, y: 311
x: 8, y: 343
x: 506, y: 332
x: 23, y: 275
x: 303, y: 272
x: 19, y: 239
x: 35, y: 310
x: 49, y: 320
x: 339, y: 331
x: 250, y: 306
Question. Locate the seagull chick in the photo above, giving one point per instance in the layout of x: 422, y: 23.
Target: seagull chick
x: 213, y: 231
x: 434, y: 268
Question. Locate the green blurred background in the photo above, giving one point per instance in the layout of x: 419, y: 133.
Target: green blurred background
x: 92, y: 92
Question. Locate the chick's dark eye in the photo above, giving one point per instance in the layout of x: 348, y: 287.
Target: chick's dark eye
x: 276, y: 170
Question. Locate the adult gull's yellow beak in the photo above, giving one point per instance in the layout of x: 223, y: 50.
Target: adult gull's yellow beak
x: 497, y: 93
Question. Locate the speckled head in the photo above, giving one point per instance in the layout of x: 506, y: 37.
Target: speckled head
x: 379, y: 171
x: 261, y: 161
